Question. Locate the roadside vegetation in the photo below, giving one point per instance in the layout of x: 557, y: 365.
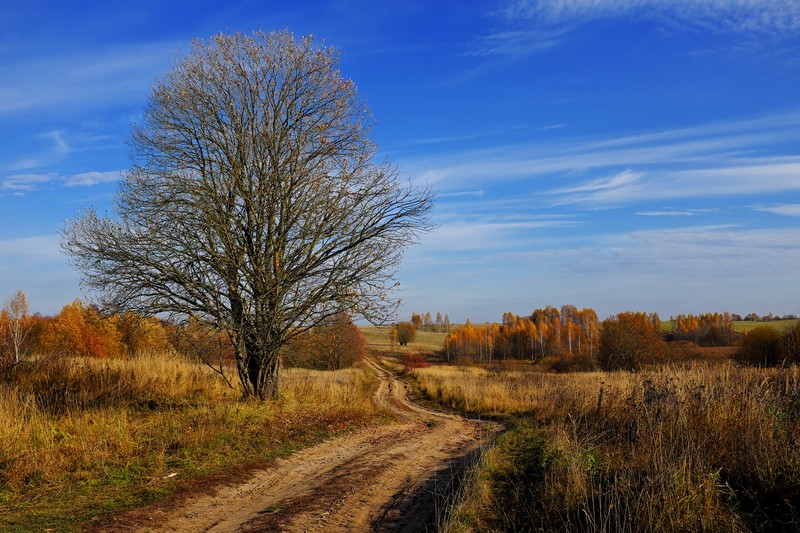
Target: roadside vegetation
x: 81, y: 437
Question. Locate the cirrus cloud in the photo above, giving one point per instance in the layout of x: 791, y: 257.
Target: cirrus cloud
x: 738, y: 16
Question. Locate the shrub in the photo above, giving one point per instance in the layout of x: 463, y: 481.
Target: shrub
x: 415, y: 360
x: 680, y: 351
x: 763, y: 346
x: 406, y: 332
x: 334, y: 345
x: 629, y: 340
x: 791, y: 343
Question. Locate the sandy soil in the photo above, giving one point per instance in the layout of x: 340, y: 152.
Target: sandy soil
x: 388, y: 478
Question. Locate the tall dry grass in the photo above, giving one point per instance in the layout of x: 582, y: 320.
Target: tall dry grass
x: 80, y: 437
x: 701, y: 448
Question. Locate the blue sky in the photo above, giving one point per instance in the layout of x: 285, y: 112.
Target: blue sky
x: 618, y: 154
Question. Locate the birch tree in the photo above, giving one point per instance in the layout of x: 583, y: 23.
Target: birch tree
x: 19, y: 324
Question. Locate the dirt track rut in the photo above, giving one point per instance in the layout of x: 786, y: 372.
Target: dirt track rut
x: 385, y: 478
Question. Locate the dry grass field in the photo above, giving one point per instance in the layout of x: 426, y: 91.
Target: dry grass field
x: 697, y: 448
x: 80, y: 438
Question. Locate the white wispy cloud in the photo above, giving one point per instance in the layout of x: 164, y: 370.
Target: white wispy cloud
x: 699, y: 250
x: 60, y: 146
x: 458, y: 194
x: 738, y: 16
x: 51, y: 147
x: 28, y: 182
x: 493, y: 132
x: 790, y: 210
x: 87, y: 179
x: 722, y: 159
x: 669, y: 213
x: 514, y: 43
x: 768, y: 177
x: 623, y: 179
x: 120, y: 74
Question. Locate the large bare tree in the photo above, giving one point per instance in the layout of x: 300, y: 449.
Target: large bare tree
x: 254, y: 202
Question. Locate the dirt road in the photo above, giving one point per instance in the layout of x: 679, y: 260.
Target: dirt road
x: 388, y: 478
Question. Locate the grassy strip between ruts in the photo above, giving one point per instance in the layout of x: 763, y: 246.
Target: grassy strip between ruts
x: 83, y: 439
x: 698, y: 448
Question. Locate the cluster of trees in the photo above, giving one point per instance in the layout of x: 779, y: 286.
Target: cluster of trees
x: 79, y: 330
x: 424, y: 322
x: 624, y: 341
x: 568, y: 337
x: 547, y: 332
x: 84, y: 330
x: 709, y: 329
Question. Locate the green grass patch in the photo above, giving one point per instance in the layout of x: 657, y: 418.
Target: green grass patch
x: 779, y: 325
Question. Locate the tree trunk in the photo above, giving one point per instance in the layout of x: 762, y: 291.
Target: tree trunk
x: 260, y: 374
x: 269, y: 386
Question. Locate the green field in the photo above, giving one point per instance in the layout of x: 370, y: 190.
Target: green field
x: 378, y: 338
x: 745, y: 325
x: 780, y: 325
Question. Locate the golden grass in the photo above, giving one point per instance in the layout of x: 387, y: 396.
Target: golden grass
x: 82, y: 437
x: 675, y: 449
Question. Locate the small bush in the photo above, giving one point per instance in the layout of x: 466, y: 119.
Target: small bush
x: 762, y: 347
x: 630, y: 340
x: 791, y: 343
x: 415, y: 360
x: 514, y: 473
x: 334, y: 345
x: 405, y: 332
x: 681, y: 351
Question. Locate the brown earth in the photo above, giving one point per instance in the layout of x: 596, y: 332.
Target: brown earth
x: 387, y: 478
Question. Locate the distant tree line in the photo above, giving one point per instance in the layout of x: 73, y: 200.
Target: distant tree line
x: 709, y: 329
x: 569, y: 338
x: 81, y: 330
x: 754, y: 317
x: 544, y: 333
x: 424, y: 322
